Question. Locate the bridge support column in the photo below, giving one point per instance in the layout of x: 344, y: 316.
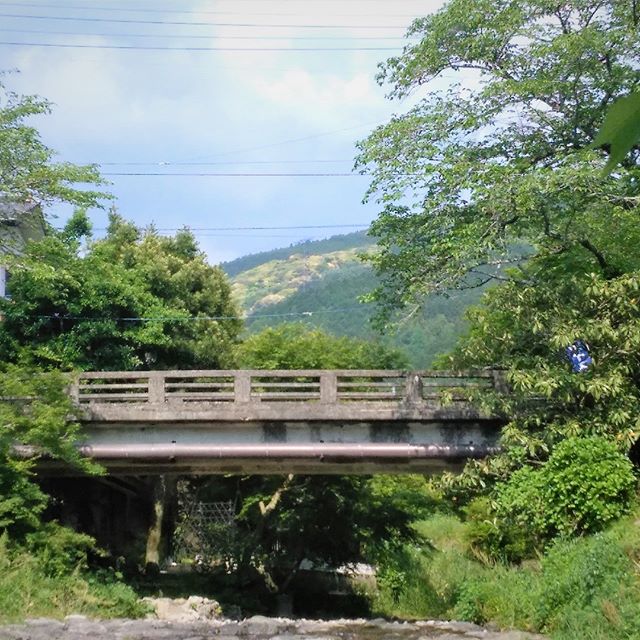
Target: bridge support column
x: 163, y: 496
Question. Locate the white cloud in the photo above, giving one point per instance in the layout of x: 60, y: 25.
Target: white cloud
x: 134, y: 105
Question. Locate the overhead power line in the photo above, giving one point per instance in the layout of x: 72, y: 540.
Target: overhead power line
x: 130, y: 9
x: 201, y: 24
x: 166, y: 163
x: 291, y: 314
x: 260, y: 228
x: 288, y: 141
x: 235, y: 175
x: 200, y: 37
x: 241, y: 232
x: 145, y: 48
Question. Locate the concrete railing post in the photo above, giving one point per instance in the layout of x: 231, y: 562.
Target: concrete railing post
x: 242, y: 387
x: 74, y: 390
x: 156, y: 388
x: 500, y: 381
x: 328, y: 387
x: 414, y: 388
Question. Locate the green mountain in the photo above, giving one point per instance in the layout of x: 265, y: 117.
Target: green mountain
x: 320, y: 283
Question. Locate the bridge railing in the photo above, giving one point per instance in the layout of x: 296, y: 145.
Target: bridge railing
x: 283, y: 386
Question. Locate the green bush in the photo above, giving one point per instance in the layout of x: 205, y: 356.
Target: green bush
x: 498, y: 536
x: 60, y: 550
x: 586, y: 588
x: 34, y: 582
x: 587, y: 484
x: 584, y: 486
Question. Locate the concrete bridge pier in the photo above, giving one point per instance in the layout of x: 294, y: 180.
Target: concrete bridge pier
x: 162, y: 504
x: 130, y: 516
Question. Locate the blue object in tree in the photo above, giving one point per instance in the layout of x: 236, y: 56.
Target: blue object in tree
x: 579, y: 356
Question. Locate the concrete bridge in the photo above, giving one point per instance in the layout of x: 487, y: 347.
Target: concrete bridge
x: 293, y: 421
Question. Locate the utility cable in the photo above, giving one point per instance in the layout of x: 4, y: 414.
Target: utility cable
x: 268, y: 228
x: 167, y: 163
x: 146, y: 48
x: 201, y: 24
x: 214, y: 174
x: 62, y: 318
x: 129, y: 9
x: 197, y: 37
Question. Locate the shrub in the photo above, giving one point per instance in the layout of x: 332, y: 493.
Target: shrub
x: 585, y: 485
x: 60, y: 550
x: 33, y: 583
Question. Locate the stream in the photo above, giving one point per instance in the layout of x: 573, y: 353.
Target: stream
x: 257, y: 627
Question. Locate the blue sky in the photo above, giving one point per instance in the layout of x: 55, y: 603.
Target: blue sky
x: 165, y: 110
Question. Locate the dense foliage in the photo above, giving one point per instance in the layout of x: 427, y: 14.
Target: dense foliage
x: 37, y: 416
x: 503, y: 179
x: 48, y: 576
x: 330, y: 304
x: 583, y: 588
x: 505, y: 158
x: 296, y: 346
x: 584, y: 486
x: 129, y: 301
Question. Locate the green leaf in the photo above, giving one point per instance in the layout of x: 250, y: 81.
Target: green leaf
x: 620, y: 129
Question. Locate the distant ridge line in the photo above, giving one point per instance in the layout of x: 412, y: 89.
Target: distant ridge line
x: 336, y: 242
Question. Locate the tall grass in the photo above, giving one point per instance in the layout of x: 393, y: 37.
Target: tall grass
x: 587, y: 588
x: 28, y: 588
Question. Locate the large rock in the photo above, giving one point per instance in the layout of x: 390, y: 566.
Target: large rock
x: 192, y: 609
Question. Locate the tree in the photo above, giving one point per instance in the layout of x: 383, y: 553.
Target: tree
x: 296, y: 346
x: 35, y: 410
x: 525, y: 330
x: 129, y: 301
x: 550, y: 412
x: 584, y: 486
x: 504, y: 156
x: 28, y: 171
x: 330, y: 520
x: 37, y: 419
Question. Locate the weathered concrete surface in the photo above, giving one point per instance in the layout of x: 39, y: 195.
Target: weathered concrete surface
x: 257, y: 627
x: 294, y: 421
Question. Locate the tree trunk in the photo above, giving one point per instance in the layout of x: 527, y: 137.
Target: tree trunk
x: 161, y: 522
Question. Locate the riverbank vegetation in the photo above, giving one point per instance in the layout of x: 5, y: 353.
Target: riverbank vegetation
x: 47, y: 574
x: 584, y: 587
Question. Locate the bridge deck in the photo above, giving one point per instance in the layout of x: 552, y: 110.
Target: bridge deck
x: 311, y: 421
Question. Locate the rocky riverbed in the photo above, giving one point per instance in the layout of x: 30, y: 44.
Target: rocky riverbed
x: 197, y: 618
x: 257, y: 627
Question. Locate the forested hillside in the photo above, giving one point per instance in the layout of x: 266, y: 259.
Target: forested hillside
x: 358, y: 239
x: 321, y: 283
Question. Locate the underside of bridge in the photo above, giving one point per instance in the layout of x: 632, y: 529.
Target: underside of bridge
x: 269, y: 447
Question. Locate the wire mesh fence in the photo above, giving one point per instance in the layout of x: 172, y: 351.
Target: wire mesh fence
x: 205, y: 532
